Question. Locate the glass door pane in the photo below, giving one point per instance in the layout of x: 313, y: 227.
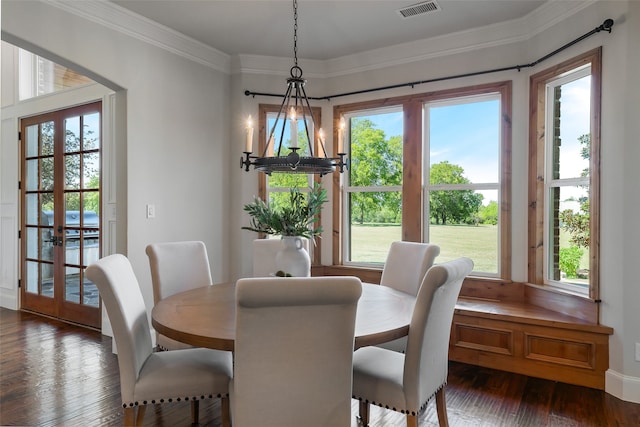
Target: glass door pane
x: 38, y: 209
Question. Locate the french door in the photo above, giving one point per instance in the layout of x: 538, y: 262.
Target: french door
x: 60, y: 207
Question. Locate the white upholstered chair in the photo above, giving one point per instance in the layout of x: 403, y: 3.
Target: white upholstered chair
x: 293, y: 351
x: 177, y: 267
x: 406, y: 265
x: 407, y: 382
x: 264, y: 255
x: 404, y: 269
x: 148, y: 377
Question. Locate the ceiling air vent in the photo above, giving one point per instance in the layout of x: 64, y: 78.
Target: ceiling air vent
x: 419, y: 9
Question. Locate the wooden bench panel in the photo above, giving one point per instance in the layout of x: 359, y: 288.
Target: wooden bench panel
x: 486, y: 339
x: 560, y: 350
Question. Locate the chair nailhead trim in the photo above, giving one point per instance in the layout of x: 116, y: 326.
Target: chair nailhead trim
x: 403, y: 411
x: 171, y: 399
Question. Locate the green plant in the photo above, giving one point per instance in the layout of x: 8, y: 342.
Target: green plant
x: 298, y: 218
x: 570, y: 261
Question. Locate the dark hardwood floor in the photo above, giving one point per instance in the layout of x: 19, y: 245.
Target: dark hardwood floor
x: 56, y: 374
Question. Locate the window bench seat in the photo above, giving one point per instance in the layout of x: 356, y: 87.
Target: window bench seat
x: 521, y: 328
x: 515, y: 335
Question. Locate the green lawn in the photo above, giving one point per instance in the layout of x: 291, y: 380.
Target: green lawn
x: 371, y: 243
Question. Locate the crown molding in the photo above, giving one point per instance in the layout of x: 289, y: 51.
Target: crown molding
x: 474, y: 39
x: 504, y: 33
x: 119, y: 19
x: 123, y: 21
x: 277, y: 66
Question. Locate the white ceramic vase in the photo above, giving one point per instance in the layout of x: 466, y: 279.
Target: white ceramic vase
x: 293, y: 257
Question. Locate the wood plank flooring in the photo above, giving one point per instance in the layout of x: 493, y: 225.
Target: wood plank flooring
x: 56, y: 374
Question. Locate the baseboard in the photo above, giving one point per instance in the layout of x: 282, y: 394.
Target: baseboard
x: 623, y: 387
x: 9, y: 298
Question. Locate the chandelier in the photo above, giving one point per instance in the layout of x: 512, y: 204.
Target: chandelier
x: 294, y: 104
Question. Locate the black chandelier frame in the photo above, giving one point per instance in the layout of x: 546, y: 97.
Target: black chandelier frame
x: 295, y: 99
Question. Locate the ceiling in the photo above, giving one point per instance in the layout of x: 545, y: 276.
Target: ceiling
x: 327, y: 29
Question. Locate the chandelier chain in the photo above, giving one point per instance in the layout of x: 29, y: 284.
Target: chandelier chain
x: 295, y: 32
x: 294, y: 102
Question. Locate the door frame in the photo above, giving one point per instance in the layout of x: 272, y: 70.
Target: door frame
x: 58, y: 305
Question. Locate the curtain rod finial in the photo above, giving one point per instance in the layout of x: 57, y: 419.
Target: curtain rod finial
x: 606, y: 25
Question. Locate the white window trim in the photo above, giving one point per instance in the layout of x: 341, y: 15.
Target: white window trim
x: 426, y: 187
x: 347, y: 189
x: 568, y: 77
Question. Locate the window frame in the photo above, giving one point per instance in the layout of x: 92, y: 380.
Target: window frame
x: 264, y: 110
x: 348, y: 189
x: 538, y: 173
x: 413, y: 160
x: 496, y: 186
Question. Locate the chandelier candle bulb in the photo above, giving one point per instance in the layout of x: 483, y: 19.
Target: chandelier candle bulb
x: 248, y: 147
x: 341, y: 136
x: 294, y: 129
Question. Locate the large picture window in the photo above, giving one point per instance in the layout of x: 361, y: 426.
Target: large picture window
x: 462, y: 182
x: 431, y: 167
x: 373, y: 186
x: 565, y: 152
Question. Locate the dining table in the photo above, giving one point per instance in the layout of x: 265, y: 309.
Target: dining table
x: 205, y: 316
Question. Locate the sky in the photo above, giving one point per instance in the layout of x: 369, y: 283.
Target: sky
x: 467, y: 134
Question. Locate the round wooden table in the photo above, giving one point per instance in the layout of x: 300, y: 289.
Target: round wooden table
x: 205, y: 317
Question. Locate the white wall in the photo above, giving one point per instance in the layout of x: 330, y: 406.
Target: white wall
x: 176, y: 127
x: 183, y: 118
x: 623, y: 129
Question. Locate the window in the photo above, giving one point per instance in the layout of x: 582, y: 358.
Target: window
x: 431, y: 167
x: 462, y: 182
x: 565, y: 153
x: 38, y: 76
x: 373, y: 185
x: 275, y: 188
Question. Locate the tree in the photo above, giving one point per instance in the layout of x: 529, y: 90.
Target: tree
x: 454, y: 206
x: 92, y: 199
x: 489, y: 214
x: 375, y: 161
x: 72, y: 165
x: 577, y: 223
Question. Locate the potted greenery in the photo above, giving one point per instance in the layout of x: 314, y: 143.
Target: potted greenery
x: 296, y: 219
